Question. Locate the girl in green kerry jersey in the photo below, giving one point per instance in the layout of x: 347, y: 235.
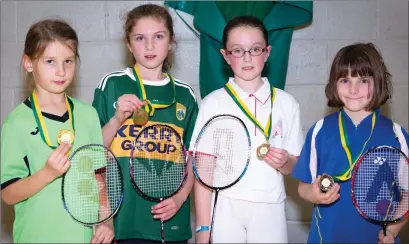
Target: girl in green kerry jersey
x: 253, y: 209
x: 147, y: 88
x: 34, y: 149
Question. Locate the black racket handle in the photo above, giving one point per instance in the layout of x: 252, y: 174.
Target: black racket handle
x: 214, y: 210
x: 384, y: 229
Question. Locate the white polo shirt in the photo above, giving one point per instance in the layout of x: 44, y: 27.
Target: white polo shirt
x: 261, y: 182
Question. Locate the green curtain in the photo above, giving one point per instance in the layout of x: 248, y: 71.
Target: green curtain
x: 210, y: 17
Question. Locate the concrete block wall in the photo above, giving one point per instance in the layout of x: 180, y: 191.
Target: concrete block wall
x: 99, y: 26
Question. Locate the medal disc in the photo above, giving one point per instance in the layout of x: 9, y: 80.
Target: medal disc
x: 262, y: 151
x: 65, y: 136
x: 326, y: 182
x: 140, y: 117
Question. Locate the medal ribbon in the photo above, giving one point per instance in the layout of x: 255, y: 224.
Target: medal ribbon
x: 345, y: 144
x: 267, y: 130
x: 150, y: 107
x: 35, y: 107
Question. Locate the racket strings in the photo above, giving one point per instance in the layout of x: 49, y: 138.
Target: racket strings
x: 157, y: 183
x: 381, y: 185
x: 93, y: 186
x: 159, y: 173
x: 221, y: 152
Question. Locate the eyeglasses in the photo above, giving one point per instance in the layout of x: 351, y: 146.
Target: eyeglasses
x: 254, y: 51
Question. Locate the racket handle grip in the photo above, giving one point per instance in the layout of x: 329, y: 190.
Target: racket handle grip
x: 162, y: 232
x: 384, y: 229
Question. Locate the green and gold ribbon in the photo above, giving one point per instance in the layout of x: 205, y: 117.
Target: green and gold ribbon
x: 345, y: 144
x: 267, y: 129
x: 35, y: 107
x: 150, y: 107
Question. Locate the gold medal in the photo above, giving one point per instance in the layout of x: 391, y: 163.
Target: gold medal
x: 326, y: 182
x: 65, y: 136
x: 262, y: 150
x: 144, y: 115
x: 140, y: 117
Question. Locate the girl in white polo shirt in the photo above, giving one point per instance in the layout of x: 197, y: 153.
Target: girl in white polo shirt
x: 253, y: 209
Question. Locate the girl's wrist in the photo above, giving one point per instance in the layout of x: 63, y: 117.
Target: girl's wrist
x: 392, y: 232
x: 115, y: 122
x: 47, y: 175
x: 202, y: 228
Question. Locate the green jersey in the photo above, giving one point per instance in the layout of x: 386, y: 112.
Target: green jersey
x: 42, y: 217
x: 134, y: 219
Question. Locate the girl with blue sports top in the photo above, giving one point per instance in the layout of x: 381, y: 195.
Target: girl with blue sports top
x: 252, y: 210
x: 37, y: 137
x: 359, y: 84
x: 130, y: 99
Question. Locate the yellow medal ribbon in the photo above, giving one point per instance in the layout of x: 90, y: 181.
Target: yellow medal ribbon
x: 345, y: 144
x: 150, y: 107
x: 35, y: 107
x: 267, y: 129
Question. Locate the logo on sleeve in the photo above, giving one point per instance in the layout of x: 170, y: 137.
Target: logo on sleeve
x: 180, y: 111
x: 34, y: 132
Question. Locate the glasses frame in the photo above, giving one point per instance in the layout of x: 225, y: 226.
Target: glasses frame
x: 230, y: 52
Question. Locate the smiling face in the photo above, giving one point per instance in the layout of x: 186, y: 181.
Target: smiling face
x: 355, y: 92
x: 359, y: 79
x: 54, y: 70
x: 246, y: 39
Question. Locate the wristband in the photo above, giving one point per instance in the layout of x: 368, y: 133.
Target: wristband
x: 202, y: 228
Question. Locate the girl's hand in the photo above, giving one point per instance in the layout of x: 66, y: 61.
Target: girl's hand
x: 58, y: 163
x: 126, y: 106
x: 168, y: 208
x: 389, y: 238
x: 276, y: 157
x: 104, y: 233
x: 319, y: 197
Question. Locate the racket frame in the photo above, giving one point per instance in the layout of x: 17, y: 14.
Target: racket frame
x: 122, y: 187
x: 217, y: 189
x: 182, y: 183
x: 138, y: 190
x: 194, y: 153
x: 354, y: 201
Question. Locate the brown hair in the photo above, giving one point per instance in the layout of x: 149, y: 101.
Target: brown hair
x: 360, y: 59
x: 42, y: 33
x: 153, y: 11
x: 243, y: 21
